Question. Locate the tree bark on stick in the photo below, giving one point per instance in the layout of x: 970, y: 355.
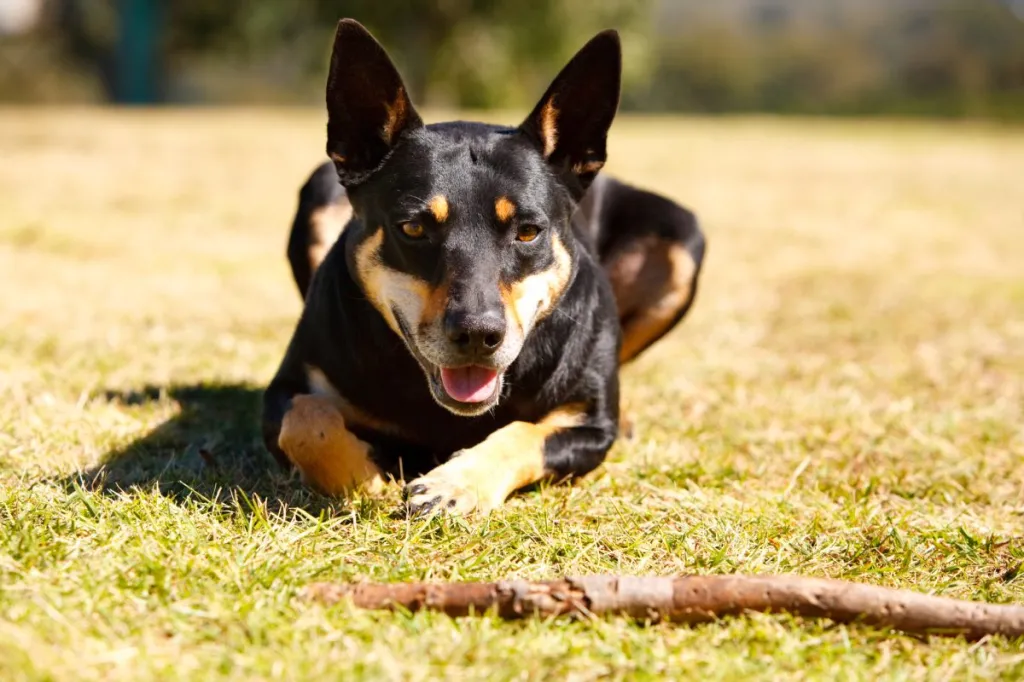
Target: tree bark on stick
x: 690, y: 599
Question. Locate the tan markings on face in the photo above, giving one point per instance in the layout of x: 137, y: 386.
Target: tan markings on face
x: 388, y: 289
x: 437, y: 301
x: 320, y: 385
x: 652, y: 283
x: 396, y: 114
x: 337, y: 158
x: 315, y: 438
x: 439, y: 208
x: 326, y: 224
x: 530, y: 299
x: 504, y: 209
x: 480, y: 478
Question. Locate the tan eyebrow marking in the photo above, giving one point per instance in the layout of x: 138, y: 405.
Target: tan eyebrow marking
x: 504, y: 209
x: 439, y: 207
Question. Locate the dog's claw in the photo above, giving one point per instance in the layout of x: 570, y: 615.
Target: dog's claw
x: 413, y: 490
x: 436, y: 494
x: 424, y: 508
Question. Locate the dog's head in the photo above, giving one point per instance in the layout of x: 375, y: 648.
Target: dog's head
x: 465, y: 242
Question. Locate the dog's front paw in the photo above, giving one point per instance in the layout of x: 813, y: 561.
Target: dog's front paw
x: 430, y: 495
x: 448, y: 490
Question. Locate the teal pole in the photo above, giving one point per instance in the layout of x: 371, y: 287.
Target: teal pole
x: 137, y: 52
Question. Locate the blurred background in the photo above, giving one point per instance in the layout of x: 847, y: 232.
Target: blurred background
x: 941, y: 58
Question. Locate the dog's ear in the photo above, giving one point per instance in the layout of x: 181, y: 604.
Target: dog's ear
x: 570, y: 123
x: 368, y: 108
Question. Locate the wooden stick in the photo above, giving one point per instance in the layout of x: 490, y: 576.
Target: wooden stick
x: 690, y: 599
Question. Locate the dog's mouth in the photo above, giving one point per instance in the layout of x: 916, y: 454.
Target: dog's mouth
x: 471, y: 384
x: 466, y: 391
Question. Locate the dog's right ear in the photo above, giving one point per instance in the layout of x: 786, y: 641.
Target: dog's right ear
x: 368, y: 108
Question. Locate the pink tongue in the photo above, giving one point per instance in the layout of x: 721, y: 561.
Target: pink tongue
x: 469, y: 384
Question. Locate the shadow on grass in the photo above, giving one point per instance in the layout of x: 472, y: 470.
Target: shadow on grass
x: 212, y: 448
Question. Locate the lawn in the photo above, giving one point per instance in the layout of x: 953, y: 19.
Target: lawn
x: 845, y: 400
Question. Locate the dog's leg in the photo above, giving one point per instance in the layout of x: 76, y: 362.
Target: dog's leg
x: 331, y: 459
x: 309, y: 432
x: 565, y: 443
x: 652, y: 251
x: 654, y: 282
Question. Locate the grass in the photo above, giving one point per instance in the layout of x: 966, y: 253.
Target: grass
x: 846, y: 400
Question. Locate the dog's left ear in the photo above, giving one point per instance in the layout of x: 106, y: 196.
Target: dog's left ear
x: 570, y: 123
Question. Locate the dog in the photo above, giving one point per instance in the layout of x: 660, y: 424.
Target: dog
x: 471, y: 290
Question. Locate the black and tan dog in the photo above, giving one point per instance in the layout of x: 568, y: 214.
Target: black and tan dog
x: 465, y: 330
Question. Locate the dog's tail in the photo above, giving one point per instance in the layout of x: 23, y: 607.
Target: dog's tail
x: 323, y: 212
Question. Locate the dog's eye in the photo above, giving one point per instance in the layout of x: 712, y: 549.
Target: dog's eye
x: 527, y: 233
x: 413, y: 230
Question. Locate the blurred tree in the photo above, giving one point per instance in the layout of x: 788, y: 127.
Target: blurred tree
x: 951, y: 57
x: 922, y: 57
x: 466, y: 53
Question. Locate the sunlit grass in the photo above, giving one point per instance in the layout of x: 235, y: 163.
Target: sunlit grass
x: 847, y: 400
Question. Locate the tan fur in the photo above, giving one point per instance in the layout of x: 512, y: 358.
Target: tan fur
x: 549, y: 128
x: 504, y: 209
x: 387, y: 288
x: 652, y: 281
x: 437, y: 301
x: 397, y: 113
x: 481, y: 478
x: 315, y: 438
x: 587, y: 167
x: 439, y: 208
x: 326, y: 224
x: 531, y: 299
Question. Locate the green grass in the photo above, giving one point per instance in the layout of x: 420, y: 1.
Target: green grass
x: 846, y: 400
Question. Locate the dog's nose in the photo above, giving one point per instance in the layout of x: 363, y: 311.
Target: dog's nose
x: 475, y: 333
